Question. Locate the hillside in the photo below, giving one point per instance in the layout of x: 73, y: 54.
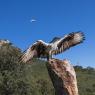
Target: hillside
x: 32, y: 79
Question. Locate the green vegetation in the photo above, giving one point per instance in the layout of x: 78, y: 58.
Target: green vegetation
x: 86, y: 80
x: 33, y: 79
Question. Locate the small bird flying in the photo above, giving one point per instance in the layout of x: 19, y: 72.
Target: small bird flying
x: 40, y: 49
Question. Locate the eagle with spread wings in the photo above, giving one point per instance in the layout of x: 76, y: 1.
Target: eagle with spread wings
x: 40, y: 49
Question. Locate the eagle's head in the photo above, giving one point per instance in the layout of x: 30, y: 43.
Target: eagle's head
x: 39, y: 41
x: 42, y: 42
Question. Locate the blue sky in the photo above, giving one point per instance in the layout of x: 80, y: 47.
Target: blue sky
x: 54, y: 18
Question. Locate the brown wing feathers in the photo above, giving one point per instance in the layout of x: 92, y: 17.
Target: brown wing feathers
x: 36, y: 50
x: 69, y: 41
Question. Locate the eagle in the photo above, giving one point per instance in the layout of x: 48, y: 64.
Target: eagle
x: 41, y: 49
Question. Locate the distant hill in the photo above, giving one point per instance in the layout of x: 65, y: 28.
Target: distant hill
x: 33, y: 79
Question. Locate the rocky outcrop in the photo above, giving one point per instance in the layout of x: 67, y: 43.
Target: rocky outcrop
x: 63, y: 77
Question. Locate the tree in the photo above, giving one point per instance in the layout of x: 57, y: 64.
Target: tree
x: 13, y: 79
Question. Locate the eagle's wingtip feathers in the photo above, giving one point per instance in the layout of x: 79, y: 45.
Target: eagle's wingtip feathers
x: 79, y: 36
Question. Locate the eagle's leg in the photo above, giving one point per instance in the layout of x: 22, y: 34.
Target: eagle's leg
x: 49, y: 56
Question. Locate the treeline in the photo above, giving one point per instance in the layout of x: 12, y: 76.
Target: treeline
x: 87, y: 69
x: 86, y: 80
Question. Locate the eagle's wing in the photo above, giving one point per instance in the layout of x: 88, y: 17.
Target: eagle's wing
x: 55, y: 39
x: 68, y: 41
x: 34, y: 50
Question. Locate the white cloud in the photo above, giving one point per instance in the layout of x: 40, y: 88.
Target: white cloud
x: 33, y: 20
